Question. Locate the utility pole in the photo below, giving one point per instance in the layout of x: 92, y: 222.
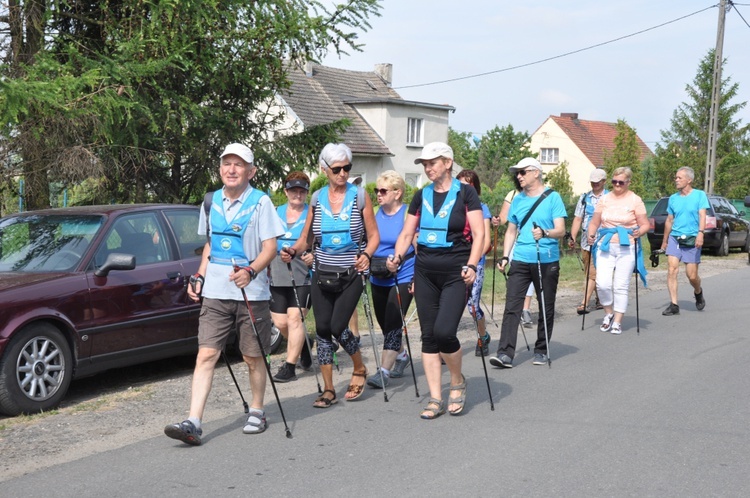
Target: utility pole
x: 713, y: 127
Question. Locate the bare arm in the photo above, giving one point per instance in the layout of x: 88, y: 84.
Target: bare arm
x: 373, y: 236
x: 668, y: 230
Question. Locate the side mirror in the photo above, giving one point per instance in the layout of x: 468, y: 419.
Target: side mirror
x: 116, y: 261
x: 747, y: 201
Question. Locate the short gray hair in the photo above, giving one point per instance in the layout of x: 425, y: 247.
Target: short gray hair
x: 334, y: 153
x: 689, y: 171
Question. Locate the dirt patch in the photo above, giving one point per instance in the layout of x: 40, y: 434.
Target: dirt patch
x: 120, y: 407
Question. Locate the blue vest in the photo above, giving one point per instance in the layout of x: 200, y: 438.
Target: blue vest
x: 590, y: 205
x: 291, y: 234
x: 226, y: 237
x: 335, y: 231
x: 433, y: 228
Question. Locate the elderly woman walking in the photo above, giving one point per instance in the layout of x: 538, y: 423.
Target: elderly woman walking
x: 619, y: 221
x: 341, y: 225
x: 448, y: 216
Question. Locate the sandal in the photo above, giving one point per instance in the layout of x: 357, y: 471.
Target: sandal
x: 461, y: 399
x: 354, y: 389
x: 323, y: 402
x: 433, y: 409
x: 581, y: 309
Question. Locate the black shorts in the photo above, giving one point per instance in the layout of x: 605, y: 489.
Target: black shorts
x: 282, y: 298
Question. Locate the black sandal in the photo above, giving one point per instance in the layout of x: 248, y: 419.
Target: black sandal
x: 581, y: 309
x: 323, y: 402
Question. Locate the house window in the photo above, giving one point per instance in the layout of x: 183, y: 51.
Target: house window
x: 550, y: 156
x: 414, y: 131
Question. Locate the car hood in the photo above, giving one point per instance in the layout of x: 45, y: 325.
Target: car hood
x: 12, y: 280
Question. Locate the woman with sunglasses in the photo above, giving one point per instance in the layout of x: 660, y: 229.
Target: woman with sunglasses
x: 390, y: 218
x: 448, y: 216
x: 284, y: 310
x: 469, y: 177
x: 341, y: 224
x: 619, y: 221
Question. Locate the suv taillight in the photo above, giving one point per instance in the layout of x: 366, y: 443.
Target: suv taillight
x: 651, y: 224
x: 710, y: 222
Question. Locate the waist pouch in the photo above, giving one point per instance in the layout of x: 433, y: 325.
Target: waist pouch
x: 686, y: 241
x: 332, y: 278
x: 378, y: 268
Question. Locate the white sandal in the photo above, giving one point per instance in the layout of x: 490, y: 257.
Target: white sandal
x: 607, y: 322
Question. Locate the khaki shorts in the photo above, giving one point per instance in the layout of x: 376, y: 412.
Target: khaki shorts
x: 586, y: 257
x: 217, y: 322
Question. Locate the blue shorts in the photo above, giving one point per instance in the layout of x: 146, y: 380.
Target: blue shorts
x: 684, y: 254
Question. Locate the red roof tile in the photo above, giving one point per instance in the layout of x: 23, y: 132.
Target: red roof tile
x: 594, y: 138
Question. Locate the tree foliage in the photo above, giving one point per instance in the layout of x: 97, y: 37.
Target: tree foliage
x: 685, y: 143
x: 499, y: 149
x: 146, y: 94
x: 626, y: 154
x: 465, y: 152
x: 559, y: 180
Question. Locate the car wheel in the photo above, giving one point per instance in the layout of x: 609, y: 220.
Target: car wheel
x: 723, y: 249
x: 35, y: 371
x: 747, y: 244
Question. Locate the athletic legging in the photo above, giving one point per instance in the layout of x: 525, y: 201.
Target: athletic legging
x: 476, y: 293
x: 440, y: 302
x: 332, y: 314
x: 385, y: 304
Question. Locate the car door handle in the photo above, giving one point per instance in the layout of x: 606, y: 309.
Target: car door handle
x: 173, y: 275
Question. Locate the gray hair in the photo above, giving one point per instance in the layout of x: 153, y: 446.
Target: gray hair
x: 688, y: 171
x: 334, y: 153
x: 623, y: 170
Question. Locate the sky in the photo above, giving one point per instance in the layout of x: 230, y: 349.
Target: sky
x: 640, y: 79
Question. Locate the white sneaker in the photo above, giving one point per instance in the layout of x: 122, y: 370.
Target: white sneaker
x: 616, y: 329
x: 607, y: 323
x: 526, y: 318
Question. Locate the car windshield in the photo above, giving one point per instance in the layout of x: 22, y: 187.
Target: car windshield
x: 38, y: 243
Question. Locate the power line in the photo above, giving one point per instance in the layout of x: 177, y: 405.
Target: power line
x: 557, y: 56
x: 738, y: 12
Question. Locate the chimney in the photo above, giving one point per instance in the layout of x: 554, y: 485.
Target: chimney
x: 309, y: 69
x: 385, y: 71
x: 571, y: 115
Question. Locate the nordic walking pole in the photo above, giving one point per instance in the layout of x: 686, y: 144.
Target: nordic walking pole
x: 368, y: 313
x: 494, y: 273
x: 541, y: 292
x: 481, y: 348
x: 637, y: 311
x: 304, y: 327
x: 520, y: 327
x: 586, y: 286
x: 263, y: 354
x: 412, y: 315
x: 406, y: 332
x: 194, y: 285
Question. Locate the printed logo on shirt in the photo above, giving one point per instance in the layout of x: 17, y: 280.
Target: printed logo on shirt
x: 431, y: 237
x: 336, y: 240
x: 226, y: 244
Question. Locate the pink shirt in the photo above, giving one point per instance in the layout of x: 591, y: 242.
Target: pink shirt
x: 620, y: 211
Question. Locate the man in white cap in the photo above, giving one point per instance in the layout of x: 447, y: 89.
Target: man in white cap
x: 535, y: 221
x: 241, y: 225
x: 583, y: 213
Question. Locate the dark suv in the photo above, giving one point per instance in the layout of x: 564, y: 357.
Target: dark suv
x: 725, y: 227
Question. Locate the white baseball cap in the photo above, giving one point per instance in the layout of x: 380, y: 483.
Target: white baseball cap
x: 243, y: 151
x: 526, y: 162
x: 597, y: 175
x: 434, y: 150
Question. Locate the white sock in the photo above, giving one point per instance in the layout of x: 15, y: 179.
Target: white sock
x: 403, y: 355
x: 196, y: 422
x: 386, y: 372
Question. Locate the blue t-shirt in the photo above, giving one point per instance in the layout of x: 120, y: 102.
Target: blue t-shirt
x: 544, y: 216
x: 485, y: 215
x: 389, y: 227
x: 685, y: 210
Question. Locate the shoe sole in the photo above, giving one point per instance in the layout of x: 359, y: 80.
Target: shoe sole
x: 180, y: 435
x: 535, y: 362
x: 495, y: 362
x: 284, y: 381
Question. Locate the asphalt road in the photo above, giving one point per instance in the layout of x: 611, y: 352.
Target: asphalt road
x: 663, y: 413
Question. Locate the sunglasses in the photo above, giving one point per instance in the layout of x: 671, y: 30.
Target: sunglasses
x: 382, y: 191
x: 523, y: 172
x: 619, y: 182
x: 338, y: 169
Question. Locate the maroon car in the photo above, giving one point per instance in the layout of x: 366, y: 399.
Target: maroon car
x: 87, y: 289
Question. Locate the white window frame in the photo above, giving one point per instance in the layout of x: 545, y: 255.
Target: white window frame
x: 414, y: 132
x: 549, y: 155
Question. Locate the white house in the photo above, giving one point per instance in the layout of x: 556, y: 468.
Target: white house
x: 386, y: 131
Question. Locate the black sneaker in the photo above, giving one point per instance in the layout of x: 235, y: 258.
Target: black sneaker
x: 672, y: 309
x: 502, y: 361
x: 483, y: 346
x: 184, y: 431
x: 285, y: 373
x: 700, y: 303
